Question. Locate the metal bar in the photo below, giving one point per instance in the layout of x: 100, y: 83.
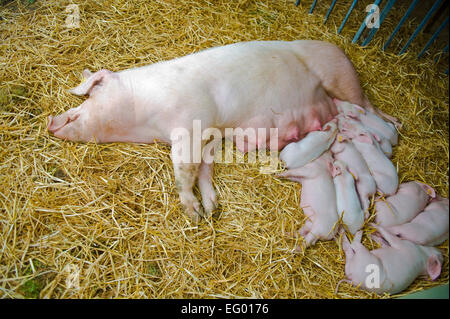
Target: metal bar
x: 444, y: 50
x: 402, y: 20
x: 312, y: 6
x: 329, y: 11
x: 435, y: 35
x: 297, y: 3
x: 347, y: 16
x: 363, y: 24
x: 421, y: 25
x: 383, y: 16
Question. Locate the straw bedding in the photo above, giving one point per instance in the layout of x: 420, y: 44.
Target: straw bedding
x: 111, y: 212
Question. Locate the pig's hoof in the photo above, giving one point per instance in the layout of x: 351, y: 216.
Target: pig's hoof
x: 192, y: 208
x: 209, y: 204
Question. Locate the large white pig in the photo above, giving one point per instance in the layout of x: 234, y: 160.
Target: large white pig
x: 429, y: 228
x: 261, y: 84
x: 344, y: 151
x: 347, y: 123
x: 347, y: 200
x: 380, y: 166
x: 318, y: 198
x: 374, y: 124
x: 310, y: 147
x: 391, y: 268
x: 410, y: 199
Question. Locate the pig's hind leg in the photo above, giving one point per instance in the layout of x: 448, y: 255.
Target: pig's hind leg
x: 209, y: 199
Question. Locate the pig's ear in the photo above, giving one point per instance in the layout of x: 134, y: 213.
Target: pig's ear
x: 429, y: 190
x: 335, y: 170
x: 87, y: 74
x: 364, y: 138
x: 360, y: 109
x: 434, y: 267
x: 376, y: 137
x: 352, y: 115
x: 94, y: 80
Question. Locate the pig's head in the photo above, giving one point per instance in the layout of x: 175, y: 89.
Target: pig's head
x: 104, y: 115
x: 356, y: 132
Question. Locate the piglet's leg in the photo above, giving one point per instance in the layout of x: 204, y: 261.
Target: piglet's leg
x: 206, y: 188
x: 391, y: 239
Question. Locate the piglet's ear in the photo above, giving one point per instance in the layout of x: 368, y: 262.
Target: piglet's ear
x: 91, y: 82
x: 429, y: 190
x: 376, y: 137
x: 433, y: 267
x: 352, y: 115
x: 335, y: 171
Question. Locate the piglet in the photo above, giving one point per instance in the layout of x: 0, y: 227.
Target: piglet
x: 318, y: 198
x: 309, y: 148
x: 348, y: 123
x: 374, y: 124
x: 347, y: 200
x: 391, y: 268
x: 410, y: 199
x: 380, y: 166
x: 429, y: 228
x: 344, y: 150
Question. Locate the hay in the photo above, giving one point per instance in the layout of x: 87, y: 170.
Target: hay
x: 111, y: 211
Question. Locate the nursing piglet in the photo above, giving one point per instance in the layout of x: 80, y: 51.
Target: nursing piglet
x: 347, y: 200
x: 344, y: 151
x: 374, y: 124
x: 381, y: 167
x: 391, y: 268
x: 348, y: 123
x: 429, y: 228
x: 309, y: 148
x: 318, y: 198
x: 410, y: 199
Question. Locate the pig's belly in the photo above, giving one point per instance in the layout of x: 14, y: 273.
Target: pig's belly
x: 255, y: 79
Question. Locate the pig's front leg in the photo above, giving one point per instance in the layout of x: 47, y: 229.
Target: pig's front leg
x: 206, y: 187
x: 185, y: 177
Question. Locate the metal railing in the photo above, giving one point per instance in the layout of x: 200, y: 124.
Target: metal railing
x: 384, y: 13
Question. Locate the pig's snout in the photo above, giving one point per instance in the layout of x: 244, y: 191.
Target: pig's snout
x: 66, y: 126
x: 58, y: 122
